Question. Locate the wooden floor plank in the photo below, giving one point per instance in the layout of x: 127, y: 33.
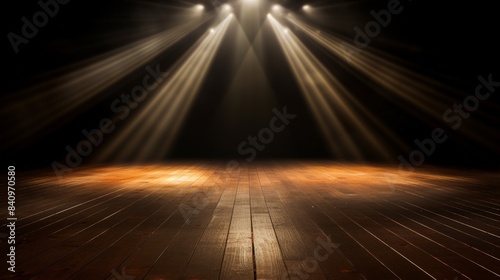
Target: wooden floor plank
x: 269, y: 263
x: 207, y: 258
x: 298, y: 259
x: 238, y: 262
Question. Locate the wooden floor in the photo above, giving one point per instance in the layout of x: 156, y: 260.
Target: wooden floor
x: 273, y: 220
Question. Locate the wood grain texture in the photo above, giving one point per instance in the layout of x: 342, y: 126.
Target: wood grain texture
x: 269, y: 220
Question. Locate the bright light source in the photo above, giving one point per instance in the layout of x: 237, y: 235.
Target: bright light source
x: 200, y: 7
x: 276, y: 8
x: 226, y: 8
x: 306, y: 8
x: 286, y: 30
x: 212, y: 30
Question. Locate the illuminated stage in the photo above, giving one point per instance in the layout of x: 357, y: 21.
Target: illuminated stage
x: 318, y: 104
x: 270, y: 220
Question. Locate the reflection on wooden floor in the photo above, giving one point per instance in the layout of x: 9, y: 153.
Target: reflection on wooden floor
x: 273, y: 220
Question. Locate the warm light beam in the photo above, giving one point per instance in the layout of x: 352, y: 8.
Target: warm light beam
x: 324, y: 95
x: 419, y: 95
x: 153, y: 131
x: 398, y: 80
x: 68, y: 94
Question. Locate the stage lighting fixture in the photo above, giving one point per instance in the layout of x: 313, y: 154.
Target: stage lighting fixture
x: 212, y: 30
x: 306, y: 8
x: 226, y: 7
x: 200, y: 7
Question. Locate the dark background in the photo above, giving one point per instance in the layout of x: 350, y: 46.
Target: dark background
x: 453, y: 42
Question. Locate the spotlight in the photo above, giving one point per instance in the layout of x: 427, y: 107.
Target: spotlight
x: 286, y: 30
x: 212, y: 30
x: 200, y: 7
x: 226, y: 8
x: 306, y: 8
x: 276, y: 8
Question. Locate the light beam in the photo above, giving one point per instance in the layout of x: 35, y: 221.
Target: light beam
x: 324, y: 94
x: 70, y: 93
x: 152, y: 132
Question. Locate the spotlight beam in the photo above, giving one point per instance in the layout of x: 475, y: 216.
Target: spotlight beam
x: 403, y: 86
x: 324, y: 93
x: 153, y: 131
x: 67, y: 94
x: 401, y: 82
x: 311, y: 32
